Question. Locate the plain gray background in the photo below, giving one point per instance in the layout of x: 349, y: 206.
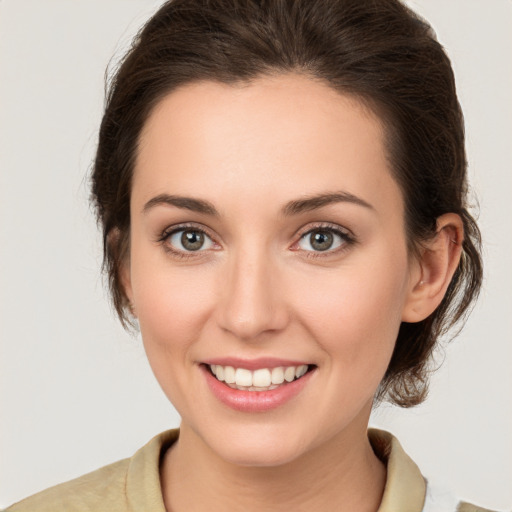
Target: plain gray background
x: 76, y: 391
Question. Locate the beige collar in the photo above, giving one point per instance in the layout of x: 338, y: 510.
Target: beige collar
x: 404, y: 492
x: 143, y: 489
x: 405, y: 486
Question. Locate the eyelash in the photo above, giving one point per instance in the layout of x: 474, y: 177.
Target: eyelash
x: 168, y: 232
x: 346, y: 236
x: 348, y: 239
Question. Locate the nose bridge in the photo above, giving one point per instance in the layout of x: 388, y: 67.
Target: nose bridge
x: 251, y: 302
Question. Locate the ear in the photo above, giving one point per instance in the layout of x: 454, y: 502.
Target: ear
x: 434, y: 268
x: 123, y: 266
x: 126, y: 283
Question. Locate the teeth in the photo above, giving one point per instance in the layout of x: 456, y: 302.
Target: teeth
x: 289, y: 374
x: 262, y: 379
x: 243, y: 377
x: 277, y: 375
x: 229, y: 374
x: 301, y: 370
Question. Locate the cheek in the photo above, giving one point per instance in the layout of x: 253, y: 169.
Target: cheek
x: 172, y: 308
x: 172, y: 303
x: 355, y: 311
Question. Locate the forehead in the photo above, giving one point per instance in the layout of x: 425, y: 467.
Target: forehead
x: 289, y: 135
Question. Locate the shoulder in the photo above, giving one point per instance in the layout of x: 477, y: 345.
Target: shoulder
x: 468, y: 507
x: 439, y: 499
x: 93, y: 491
x: 407, y: 490
x: 131, y: 484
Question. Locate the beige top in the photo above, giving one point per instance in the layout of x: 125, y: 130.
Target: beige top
x: 133, y: 485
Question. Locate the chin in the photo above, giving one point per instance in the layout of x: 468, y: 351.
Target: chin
x: 260, y: 455
x: 258, y: 446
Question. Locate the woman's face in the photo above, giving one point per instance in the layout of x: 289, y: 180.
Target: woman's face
x: 267, y: 233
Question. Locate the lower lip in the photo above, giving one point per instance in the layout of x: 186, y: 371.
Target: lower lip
x: 255, y: 401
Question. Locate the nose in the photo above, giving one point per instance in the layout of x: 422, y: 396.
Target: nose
x: 252, y: 302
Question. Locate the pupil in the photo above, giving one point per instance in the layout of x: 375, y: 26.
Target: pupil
x: 192, y: 240
x: 321, y: 240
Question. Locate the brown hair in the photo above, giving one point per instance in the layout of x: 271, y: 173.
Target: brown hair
x: 377, y: 50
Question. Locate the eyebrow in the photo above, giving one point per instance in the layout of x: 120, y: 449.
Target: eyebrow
x: 187, y: 203
x: 318, y: 201
x: 292, y: 208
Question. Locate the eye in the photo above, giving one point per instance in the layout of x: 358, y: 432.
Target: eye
x: 322, y: 239
x: 190, y: 240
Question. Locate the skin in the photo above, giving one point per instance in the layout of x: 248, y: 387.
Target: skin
x: 260, y: 289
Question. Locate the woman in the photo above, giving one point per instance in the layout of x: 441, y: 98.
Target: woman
x: 282, y: 192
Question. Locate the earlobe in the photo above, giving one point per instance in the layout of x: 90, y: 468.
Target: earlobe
x: 437, y: 262
x: 126, y: 283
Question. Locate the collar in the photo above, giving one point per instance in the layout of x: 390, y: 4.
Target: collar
x: 405, y: 486
x: 404, y: 491
x: 143, y: 489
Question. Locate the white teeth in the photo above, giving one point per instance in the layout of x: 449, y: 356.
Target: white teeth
x: 243, y: 377
x: 262, y: 379
x: 301, y: 370
x: 289, y: 374
x: 277, y: 375
x: 229, y: 374
x: 255, y: 388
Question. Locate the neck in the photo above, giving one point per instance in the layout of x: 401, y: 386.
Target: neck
x: 343, y: 475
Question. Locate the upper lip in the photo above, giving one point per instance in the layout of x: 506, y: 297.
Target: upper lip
x: 253, y: 364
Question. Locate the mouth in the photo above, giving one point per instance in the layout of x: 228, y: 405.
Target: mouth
x: 259, y: 380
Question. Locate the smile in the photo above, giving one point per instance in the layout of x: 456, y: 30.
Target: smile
x: 257, y: 385
x: 262, y: 379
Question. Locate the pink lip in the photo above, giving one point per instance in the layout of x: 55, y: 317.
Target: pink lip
x: 254, y: 401
x: 253, y: 364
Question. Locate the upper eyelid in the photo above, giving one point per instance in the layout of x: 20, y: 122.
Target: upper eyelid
x: 184, y: 227
x: 328, y: 226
